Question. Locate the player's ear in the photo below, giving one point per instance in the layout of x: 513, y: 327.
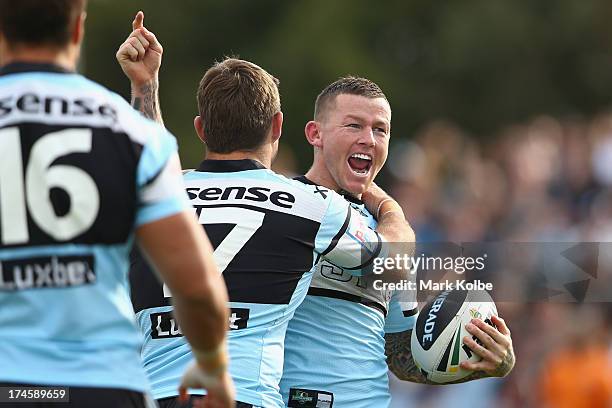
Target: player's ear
x: 78, y: 29
x: 277, y: 126
x: 313, y: 133
x: 199, y: 128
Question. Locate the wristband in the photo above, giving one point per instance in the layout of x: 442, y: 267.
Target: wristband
x: 213, y: 361
x: 380, y: 206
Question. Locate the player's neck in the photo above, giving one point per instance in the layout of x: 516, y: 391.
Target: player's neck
x: 322, y: 178
x: 39, y: 55
x: 261, y: 157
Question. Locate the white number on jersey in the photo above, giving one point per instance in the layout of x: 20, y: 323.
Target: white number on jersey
x: 246, y: 223
x: 40, y: 177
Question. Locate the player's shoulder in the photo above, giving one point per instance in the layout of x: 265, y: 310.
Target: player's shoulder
x: 366, y: 215
x: 138, y: 128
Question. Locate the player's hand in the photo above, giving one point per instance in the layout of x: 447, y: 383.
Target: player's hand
x: 141, y: 54
x: 496, y: 349
x: 374, y: 197
x: 219, y: 388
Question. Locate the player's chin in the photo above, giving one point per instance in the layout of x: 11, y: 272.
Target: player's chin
x: 356, y: 185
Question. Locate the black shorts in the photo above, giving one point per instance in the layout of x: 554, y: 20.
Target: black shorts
x: 173, y: 402
x: 87, y: 397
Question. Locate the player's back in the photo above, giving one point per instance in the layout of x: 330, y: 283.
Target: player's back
x: 268, y: 232
x: 334, y: 346
x: 74, y: 160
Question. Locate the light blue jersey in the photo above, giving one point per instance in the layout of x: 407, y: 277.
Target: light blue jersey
x: 268, y: 232
x: 335, y: 346
x: 79, y: 170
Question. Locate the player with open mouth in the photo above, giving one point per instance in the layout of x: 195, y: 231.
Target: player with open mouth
x: 360, y: 163
x: 357, y: 125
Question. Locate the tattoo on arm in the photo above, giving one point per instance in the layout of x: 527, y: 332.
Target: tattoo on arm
x: 137, y: 102
x: 146, y: 100
x: 501, y: 370
x: 401, y: 363
x: 507, y: 364
x: 399, y: 358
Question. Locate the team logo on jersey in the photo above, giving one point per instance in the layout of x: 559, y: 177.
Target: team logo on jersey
x: 47, y: 272
x: 321, y: 190
x: 361, y: 231
x: 31, y: 103
x: 257, y: 194
x: 303, y: 398
x: 359, y: 209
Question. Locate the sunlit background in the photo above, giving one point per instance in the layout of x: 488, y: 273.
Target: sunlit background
x: 501, y: 131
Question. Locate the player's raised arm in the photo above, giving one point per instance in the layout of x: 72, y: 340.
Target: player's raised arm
x: 140, y: 58
x: 347, y: 242
x: 392, y: 223
x: 355, y: 246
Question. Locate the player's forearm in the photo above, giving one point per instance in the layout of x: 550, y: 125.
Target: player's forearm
x: 200, y: 305
x: 400, y: 239
x: 392, y: 223
x: 399, y: 358
x: 203, y: 320
x: 200, y: 297
x: 145, y: 98
x: 187, y: 267
x: 203, y: 316
x: 393, y: 226
x: 401, y: 362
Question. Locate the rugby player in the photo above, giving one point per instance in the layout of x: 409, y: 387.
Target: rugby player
x: 267, y: 231
x: 81, y: 174
x: 337, y: 340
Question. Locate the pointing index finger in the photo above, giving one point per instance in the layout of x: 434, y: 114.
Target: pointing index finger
x: 138, y: 21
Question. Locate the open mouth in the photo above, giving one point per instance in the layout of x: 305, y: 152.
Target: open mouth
x: 360, y: 163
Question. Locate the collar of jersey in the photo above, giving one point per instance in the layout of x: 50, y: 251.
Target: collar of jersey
x: 347, y: 196
x: 21, y: 67
x: 227, y: 166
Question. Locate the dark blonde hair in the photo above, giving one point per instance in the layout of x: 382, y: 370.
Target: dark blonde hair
x: 237, y: 101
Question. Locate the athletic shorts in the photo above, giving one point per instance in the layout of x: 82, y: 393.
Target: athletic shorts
x: 173, y: 402
x: 87, y: 397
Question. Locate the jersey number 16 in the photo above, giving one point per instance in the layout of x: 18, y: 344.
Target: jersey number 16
x: 41, y: 175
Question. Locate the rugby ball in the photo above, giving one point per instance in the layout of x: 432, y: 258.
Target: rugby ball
x: 437, y: 339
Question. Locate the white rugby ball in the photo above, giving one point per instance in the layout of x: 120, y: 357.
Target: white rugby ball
x: 437, y: 338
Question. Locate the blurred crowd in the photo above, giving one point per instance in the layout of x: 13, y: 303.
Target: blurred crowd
x: 547, y: 180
